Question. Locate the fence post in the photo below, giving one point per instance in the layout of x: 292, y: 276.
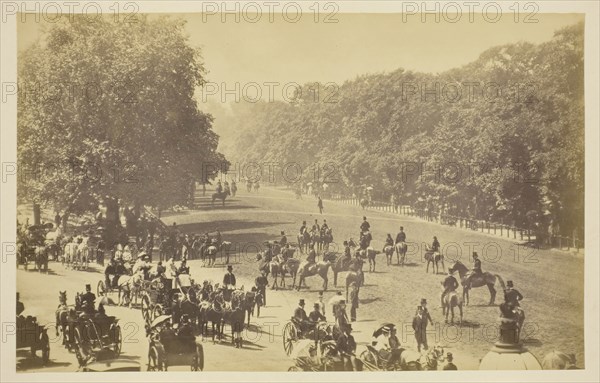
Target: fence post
x: 514, y: 233
x: 482, y: 227
x: 528, y: 235
x: 501, y: 232
x: 560, y: 242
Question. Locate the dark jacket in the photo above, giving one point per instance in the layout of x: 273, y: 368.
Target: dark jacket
x: 229, y: 279
x: 401, y: 237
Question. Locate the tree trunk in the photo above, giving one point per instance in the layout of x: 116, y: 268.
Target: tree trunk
x: 36, y: 214
x: 65, y: 220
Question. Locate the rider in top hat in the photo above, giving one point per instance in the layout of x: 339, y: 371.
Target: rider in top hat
x: 476, y: 263
x: 229, y: 278
x: 324, y: 226
x: 315, y: 227
x: 401, y: 236
x: 89, y: 299
x: 511, y: 295
x: 389, y: 241
x: 303, y: 228
x: 301, y: 317
x: 450, y: 284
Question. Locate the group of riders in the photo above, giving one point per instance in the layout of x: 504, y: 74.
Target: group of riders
x: 226, y: 188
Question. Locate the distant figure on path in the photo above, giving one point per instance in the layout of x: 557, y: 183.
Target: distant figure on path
x: 320, y: 205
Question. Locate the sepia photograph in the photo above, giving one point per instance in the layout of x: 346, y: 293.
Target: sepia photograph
x: 288, y: 187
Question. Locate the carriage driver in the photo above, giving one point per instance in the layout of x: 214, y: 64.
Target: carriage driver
x: 301, y: 318
x: 450, y: 285
x: 88, y: 300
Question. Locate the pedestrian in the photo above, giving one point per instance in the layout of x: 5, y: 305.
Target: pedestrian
x: 353, y: 301
x: 450, y: 366
x: 321, y: 304
x: 261, y: 283
x: 419, y: 325
x: 320, y: 205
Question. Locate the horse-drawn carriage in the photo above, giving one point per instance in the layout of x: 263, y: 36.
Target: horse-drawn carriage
x: 154, y: 301
x: 32, y: 335
x: 311, y: 356
x: 167, y: 349
x: 293, y: 332
x: 96, y: 337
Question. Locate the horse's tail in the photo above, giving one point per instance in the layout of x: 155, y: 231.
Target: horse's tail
x: 499, y: 278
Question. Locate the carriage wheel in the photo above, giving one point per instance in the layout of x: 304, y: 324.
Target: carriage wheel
x: 198, y: 359
x: 154, y: 361
x: 79, y: 347
x: 146, y: 307
x: 369, y: 359
x: 101, y: 289
x: 45, y: 348
x: 290, y: 335
x: 293, y: 369
x: 118, y: 340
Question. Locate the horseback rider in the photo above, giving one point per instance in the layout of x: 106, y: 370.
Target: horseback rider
x: 219, y: 187
x: 283, y: 240
x: 226, y: 187
x: 450, y: 285
x: 364, y: 226
x: 435, y: 245
x: 219, y: 239
x: 261, y: 282
x: 401, y: 236
x: 229, y: 278
x: 303, y: 228
x: 389, y: 241
x: 324, y: 227
x: 365, y: 240
x: 315, y: 227
x: 476, y: 264
x: 512, y: 296
x: 311, y: 258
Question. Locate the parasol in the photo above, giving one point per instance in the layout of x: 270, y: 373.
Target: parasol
x: 309, y: 184
x: 160, y: 319
x: 369, y: 187
x: 379, y: 331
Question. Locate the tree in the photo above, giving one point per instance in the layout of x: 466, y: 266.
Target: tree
x: 108, y: 115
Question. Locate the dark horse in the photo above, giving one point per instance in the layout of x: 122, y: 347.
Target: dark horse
x: 304, y: 241
x: 222, y: 196
x: 41, y: 258
x: 470, y: 280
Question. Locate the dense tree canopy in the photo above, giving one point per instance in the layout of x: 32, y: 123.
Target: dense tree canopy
x: 513, y: 156
x: 107, y: 112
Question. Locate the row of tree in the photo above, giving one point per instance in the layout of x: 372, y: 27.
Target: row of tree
x: 107, y: 116
x: 501, y: 138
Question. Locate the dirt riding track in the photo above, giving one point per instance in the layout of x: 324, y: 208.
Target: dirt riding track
x: 548, y: 279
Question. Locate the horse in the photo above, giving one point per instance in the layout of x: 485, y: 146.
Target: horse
x: 234, y: 316
x: 129, y: 286
x: 326, y: 239
x: 370, y: 254
x: 315, y: 240
x: 434, y: 257
x: 211, y: 252
x: 256, y: 186
x: 63, y: 315
x: 249, y: 186
x: 357, y: 277
x: 364, y: 203
x: 304, y: 241
x: 222, y: 196
x: 210, y: 311
x: 320, y: 268
x: 451, y: 300
x: 41, y: 258
x: 344, y: 264
x: 70, y: 254
x: 470, y: 280
x: 401, y: 248
x: 389, y: 252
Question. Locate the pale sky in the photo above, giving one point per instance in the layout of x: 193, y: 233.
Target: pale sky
x: 334, y: 52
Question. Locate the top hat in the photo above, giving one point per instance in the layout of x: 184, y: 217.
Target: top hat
x: 317, y: 305
x: 509, y: 283
x: 449, y: 356
x: 364, y: 217
x: 301, y: 302
x: 475, y: 254
x: 423, y: 301
x: 348, y: 326
x: 88, y: 286
x: 401, y: 227
x: 282, y: 232
x: 229, y: 267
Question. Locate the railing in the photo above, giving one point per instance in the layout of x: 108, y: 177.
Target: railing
x: 500, y: 229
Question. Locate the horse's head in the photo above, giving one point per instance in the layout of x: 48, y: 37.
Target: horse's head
x: 557, y: 360
x: 460, y: 267
x: 62, y: 297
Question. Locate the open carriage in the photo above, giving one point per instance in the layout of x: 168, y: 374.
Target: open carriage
x: 32, y: 335
x: 293, y: 333
x: 320, y: 356
x: 96, y: 338
x: 176, y: 351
